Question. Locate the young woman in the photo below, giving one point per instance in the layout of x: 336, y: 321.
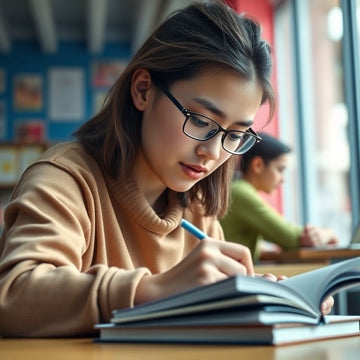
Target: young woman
x: 250, y: 219
x: 93, y: 225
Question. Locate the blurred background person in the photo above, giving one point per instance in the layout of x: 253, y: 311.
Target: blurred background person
x: 251, y: 219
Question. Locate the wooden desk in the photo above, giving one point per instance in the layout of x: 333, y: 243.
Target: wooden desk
x: 287, y: 269
x: 304, y: 255
x: 86, y: 349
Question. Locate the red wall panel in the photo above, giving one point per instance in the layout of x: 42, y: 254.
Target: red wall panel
x: 263, y: 12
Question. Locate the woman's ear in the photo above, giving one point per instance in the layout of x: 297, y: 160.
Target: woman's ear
x: 140, y: 85
x: 257, y: 165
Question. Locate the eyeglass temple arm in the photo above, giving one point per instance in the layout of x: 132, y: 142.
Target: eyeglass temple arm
x: 258, y: 138
x: 170, y: 96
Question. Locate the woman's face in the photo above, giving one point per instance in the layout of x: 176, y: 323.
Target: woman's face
x: 168, y: 157
x: 272, y: 174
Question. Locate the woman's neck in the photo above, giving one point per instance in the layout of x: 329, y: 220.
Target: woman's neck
x: 148, y: 182
x: 252, y: 179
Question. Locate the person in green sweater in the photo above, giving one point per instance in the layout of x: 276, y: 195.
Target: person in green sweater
x: 250, y: 219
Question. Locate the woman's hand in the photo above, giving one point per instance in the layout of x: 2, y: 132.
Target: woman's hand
x: 313, y: 236
x: 209, y: 262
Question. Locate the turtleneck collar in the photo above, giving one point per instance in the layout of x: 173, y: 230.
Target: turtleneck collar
x: 132, y: 200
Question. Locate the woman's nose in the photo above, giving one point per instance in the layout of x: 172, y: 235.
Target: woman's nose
x: 210, y: 148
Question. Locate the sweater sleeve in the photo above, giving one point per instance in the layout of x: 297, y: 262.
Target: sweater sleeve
x: 49, y: 283
x: 249, y: 213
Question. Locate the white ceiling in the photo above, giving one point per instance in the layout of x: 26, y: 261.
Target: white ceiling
x: 91, y: 21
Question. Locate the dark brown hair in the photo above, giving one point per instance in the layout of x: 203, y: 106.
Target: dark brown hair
x: 202, y: 34
x: 269, y: 148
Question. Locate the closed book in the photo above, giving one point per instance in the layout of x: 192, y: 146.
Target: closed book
x: 279, y: 334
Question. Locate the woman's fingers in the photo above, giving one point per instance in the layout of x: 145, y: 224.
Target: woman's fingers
x: 237, y: 257
x: 271, y: 277
x: 327, y: 305
x: 214, y: 256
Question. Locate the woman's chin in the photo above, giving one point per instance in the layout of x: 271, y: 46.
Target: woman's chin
x: 181, y: 187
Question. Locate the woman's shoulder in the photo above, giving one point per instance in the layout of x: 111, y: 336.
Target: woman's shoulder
x: 63, y: 160
x: 242, y: 192
x: 242, y: 187
x: 64, y: 150
x: 70, y: 154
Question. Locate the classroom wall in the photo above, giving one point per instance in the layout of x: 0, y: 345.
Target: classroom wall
x: 27, y: 59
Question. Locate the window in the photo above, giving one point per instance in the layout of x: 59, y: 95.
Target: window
x: 314, y: 112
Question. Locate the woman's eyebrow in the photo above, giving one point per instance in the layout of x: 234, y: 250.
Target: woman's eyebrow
x: 246, y: 123
x: 210, y: 106
x: 215, y: 110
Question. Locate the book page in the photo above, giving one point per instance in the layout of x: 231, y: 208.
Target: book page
x: 317, y: 284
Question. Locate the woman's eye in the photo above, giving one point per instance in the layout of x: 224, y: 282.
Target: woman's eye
x: 197, y: 121
x: 235, y: 136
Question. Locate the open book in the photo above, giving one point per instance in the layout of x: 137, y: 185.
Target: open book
x: 243, y: 300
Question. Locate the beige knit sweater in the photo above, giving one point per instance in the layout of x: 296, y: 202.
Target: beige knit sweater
x: 76, y: 245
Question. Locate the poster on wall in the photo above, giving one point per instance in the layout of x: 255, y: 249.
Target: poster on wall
x: 106, y: 72
x: 29, y: 131
x: 2, y: 120
x: 66, y: 94
x: 2, y: 81
x: 28, y: 92
x: 8, y: 164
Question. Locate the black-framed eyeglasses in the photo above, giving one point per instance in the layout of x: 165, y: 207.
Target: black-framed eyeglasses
x: 200, y: 127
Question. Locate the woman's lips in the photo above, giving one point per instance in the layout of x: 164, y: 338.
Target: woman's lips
x: 194, y: 172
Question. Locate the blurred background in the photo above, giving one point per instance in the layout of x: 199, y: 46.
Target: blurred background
x: 58, y: 59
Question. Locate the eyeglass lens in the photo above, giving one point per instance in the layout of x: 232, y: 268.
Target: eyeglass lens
x: 202, y: 128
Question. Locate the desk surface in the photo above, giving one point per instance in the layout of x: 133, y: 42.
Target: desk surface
x: 312, y: 255
x: 287, y: 269
x: 86, y: 349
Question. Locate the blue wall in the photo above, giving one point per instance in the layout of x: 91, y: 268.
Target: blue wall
x: 27, y: 57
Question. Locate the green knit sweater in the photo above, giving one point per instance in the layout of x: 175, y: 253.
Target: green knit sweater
x: 251, y: 219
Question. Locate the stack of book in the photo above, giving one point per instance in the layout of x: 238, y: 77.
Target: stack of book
x: 243, y: 310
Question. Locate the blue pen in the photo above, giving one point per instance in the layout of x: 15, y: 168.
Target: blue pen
x: 193, y: 229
